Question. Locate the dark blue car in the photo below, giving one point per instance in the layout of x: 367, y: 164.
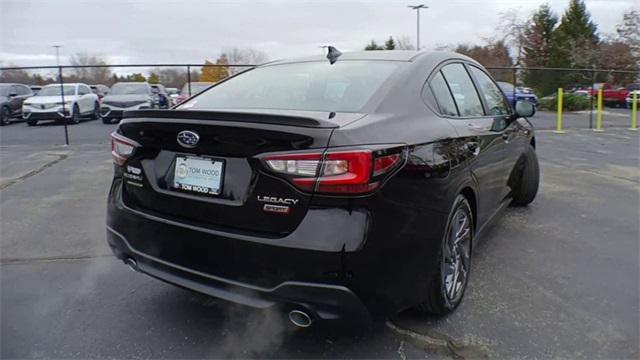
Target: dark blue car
x: 514, y: 94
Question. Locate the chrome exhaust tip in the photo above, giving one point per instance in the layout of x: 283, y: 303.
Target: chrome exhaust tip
x: 132, y: 264
x: 300, y: 318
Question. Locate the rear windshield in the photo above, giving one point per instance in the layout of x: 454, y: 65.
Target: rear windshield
x: 314, y: 86
x: 127, y: 89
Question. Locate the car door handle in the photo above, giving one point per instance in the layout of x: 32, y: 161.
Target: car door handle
x: 475, y: 127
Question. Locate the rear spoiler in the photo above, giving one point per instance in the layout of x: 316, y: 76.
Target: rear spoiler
x: 247, y: 117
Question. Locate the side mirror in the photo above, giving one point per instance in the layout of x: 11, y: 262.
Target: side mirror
x: 524, y: 109
x: 13, y: 94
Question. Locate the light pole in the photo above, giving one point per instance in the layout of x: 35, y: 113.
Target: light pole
x: 64, y: 110
x: 417, y: 9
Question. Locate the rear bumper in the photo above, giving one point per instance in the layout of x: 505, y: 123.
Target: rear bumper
x: 322, y: 301
x: 355, y: 268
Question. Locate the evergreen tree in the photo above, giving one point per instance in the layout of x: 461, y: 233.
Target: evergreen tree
x: 538, y: 48
x: 390, y: 44
x: 373, y: 46
x: 576, y: 23
x: 538, y: 37
x: 575, y: 39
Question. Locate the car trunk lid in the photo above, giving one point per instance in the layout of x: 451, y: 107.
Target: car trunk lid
x: 232, y: 140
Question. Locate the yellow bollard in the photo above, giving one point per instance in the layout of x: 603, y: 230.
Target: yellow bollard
x: 599, y: 113
x: 634, y: 111
x: 559, y: 121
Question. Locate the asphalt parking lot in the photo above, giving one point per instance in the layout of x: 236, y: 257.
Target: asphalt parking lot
x: 559, y: 278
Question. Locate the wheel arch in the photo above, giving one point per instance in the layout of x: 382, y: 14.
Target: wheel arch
x: 470, y: 195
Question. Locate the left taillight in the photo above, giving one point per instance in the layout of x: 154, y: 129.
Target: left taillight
x: 121, y: 148
x: 336, y: 172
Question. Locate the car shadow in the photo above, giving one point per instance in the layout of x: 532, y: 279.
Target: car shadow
x: 243, y: 332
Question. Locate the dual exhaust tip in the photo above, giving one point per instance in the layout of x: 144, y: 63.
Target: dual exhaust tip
x: 298, y: 318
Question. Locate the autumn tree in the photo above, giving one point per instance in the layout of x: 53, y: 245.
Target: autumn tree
x: 215, y: 73
x: 616, y: 54
x: 495, y: 54
x: 153, y: 78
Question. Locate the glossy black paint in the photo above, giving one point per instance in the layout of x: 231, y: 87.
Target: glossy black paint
x: 373, y: 252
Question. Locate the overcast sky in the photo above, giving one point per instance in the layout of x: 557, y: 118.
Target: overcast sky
x: 159, y: 31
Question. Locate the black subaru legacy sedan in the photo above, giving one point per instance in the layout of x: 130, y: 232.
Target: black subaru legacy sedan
x: 343, y: 189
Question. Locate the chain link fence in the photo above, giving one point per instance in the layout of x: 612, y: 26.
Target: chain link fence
x: 580, y: 90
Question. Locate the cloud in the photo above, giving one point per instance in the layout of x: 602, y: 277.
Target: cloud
x: 143, y: 31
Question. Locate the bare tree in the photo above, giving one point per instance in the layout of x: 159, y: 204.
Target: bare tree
x: 244, y: 56
x: 404, y: 42
x: 513, y: 29
x: 171, y: 77
x: 629, y: 32
x: 93, y: 75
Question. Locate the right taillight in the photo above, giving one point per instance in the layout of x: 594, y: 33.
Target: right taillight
x: 335, y: 172
x: 121, y: 148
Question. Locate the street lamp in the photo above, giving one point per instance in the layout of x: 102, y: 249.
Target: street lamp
x: 64, y: 110
x: 417, y: 9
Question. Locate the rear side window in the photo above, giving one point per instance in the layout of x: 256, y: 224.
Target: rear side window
x: 491, y: 93
x: 463, y: 90
x: 442, y: 94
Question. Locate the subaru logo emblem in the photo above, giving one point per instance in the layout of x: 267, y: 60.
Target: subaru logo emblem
x: 188, y: 139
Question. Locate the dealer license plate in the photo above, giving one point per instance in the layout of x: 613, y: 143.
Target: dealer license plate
x: 199, y: 175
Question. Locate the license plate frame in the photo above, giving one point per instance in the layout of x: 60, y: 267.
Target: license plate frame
x: 197, y: 183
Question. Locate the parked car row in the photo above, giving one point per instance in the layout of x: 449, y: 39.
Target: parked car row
x: 74, y: 101
x: 515, y: 94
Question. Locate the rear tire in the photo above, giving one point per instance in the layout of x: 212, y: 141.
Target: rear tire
x: 96, y: 112
x: 447, y: 287
x: 5, y: 116
x: 32, y: 122
x: 106, y: 120
x: 527, y: 188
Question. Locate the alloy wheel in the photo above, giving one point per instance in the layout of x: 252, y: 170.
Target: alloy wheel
x: 456, y: 256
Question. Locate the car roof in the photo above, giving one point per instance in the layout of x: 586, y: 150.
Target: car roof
x: 381, y: 55
x: 65, y: 84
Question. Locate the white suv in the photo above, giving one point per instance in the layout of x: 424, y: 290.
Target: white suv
x: 79, y: 101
